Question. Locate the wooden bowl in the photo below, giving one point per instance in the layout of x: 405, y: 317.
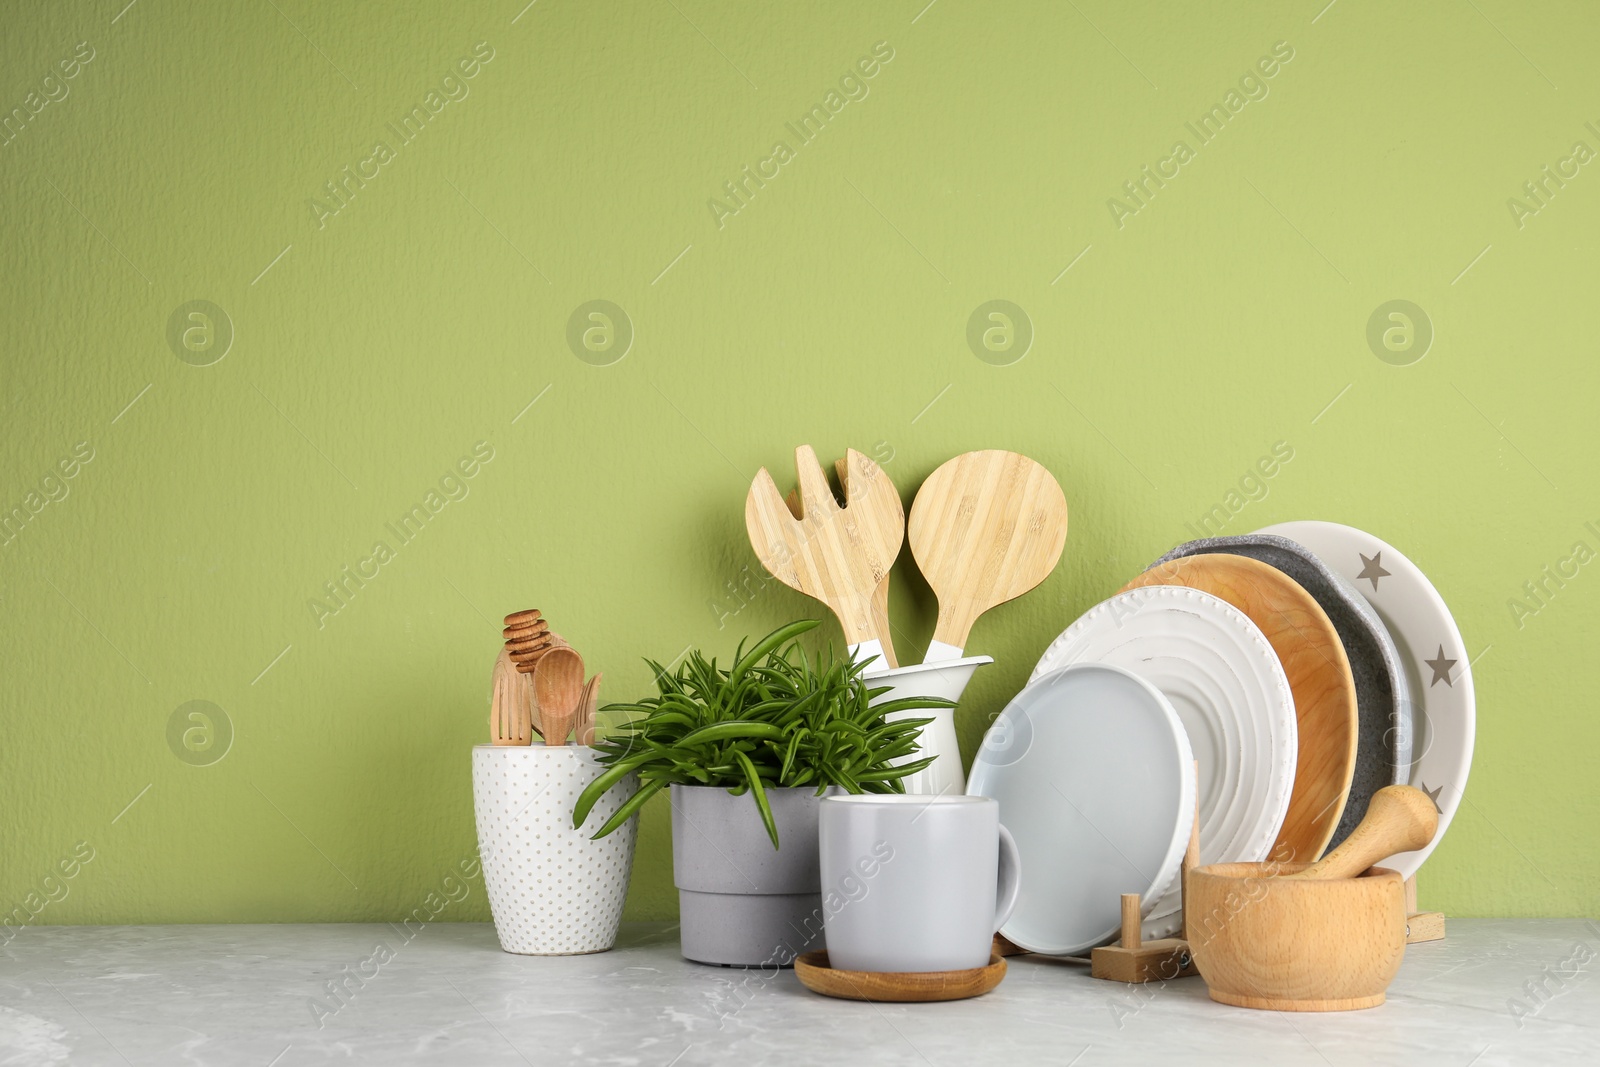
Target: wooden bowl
x: 902, y: 987
x: 1288, y: 944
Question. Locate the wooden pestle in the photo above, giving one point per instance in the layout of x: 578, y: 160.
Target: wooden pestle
x: 1399, y: 818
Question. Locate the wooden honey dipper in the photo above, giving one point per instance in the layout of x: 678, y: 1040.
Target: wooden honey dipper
x: 528, y: 637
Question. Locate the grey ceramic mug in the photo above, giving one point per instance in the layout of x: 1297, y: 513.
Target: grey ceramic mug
x: 914, y: 883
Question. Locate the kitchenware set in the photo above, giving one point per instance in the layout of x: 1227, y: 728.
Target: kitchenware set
x: 1162, y: 791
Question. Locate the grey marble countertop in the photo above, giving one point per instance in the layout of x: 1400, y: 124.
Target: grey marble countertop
x: 260, y: 995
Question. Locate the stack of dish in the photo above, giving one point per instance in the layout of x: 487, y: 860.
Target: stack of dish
x: 1276, y: 680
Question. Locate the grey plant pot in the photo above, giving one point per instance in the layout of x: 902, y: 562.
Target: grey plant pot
x: 740, y: 901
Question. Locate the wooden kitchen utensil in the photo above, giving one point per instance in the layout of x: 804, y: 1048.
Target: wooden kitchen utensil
x: 834, y: 554
x: 985, y: 528
x: 510, y: 704
x: 527, y: 637
x: 583, y: 732
x: 1399, y: 819
x: 1307, y: 644
x: 907, y: 987
x: 1288, y: 937
x: 559, y: 685
x: 880, y: 596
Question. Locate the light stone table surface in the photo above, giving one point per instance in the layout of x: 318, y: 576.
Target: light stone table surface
x: 250, y: 995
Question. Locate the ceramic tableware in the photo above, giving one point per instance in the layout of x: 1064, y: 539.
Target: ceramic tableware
x: 1230, y: 692
x: 1095, y: 780
x: 834, y: 554
x: 1382, y: 693
x: 1314, y: 661
x: 985, y: 527
x: 1326, y: 938
x: 947, y: 680
x: 914, y: 883
x: 1444, y: 713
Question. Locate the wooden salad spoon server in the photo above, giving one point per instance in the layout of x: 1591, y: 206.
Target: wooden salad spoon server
x: 558, y: 682
x: 985, y: 528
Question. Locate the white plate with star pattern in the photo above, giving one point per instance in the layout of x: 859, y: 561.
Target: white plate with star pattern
x: 1444, y: 712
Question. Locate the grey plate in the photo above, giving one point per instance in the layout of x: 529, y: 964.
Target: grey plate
x: 1383, y: 733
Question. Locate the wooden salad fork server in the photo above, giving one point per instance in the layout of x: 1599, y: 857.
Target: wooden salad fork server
x: 510, y: 704
x: 558, y: 683
x: 880, y: 596
x: 838, y: 555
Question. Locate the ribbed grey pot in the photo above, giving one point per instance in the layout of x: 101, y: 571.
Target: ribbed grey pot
x: 740, y: 901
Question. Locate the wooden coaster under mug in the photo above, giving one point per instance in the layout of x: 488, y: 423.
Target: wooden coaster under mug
x: 906, y: 987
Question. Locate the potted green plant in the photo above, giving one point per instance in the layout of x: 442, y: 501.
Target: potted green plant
x: 748, y: 752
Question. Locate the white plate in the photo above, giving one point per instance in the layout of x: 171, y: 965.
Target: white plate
x: 1090, y: 823
x: 1444, y: 713
x: 1229, y: 690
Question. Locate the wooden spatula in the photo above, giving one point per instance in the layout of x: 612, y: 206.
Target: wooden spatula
x: 836, y: 555
x: 558, y: 682
x: 1399, y: 818
x: 986, y: 527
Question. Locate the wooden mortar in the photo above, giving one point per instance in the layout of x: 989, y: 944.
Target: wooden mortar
x: 1325, y: 937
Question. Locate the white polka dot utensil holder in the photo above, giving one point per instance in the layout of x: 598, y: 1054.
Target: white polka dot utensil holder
x: 553, y: 891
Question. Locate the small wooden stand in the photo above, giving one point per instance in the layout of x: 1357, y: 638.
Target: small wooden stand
x: 1421, y: 925
x: 1134, y: 960
x: 1140, y: 961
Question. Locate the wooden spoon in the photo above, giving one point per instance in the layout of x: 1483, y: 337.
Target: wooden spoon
x: 1399, y: 818
x: 986, y: 527
x: 837, y: 555
x: 559, y: 684
x: 510, y: 704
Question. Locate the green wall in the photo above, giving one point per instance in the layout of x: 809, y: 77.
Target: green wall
x: 379, y: 339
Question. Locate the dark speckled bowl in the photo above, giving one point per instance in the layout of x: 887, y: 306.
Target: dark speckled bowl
x: 1382, y: 695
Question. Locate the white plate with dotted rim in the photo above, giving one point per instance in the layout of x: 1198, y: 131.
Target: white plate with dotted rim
x: 1089, y: 825
x: 1228, y: 688
x: 1444, y: 709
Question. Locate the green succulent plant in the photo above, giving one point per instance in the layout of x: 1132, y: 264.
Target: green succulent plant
x: 776, y: 718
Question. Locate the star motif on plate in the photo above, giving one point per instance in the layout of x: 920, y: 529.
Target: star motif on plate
x: 1433, y: 795
x: 1372, y: 569
x: 1441, y: 669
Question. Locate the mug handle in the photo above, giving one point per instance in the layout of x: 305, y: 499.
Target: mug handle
x: 1009, y: 879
